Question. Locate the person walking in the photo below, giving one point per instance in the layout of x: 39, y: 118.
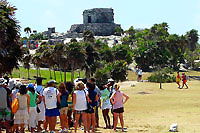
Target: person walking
x: 184, y: 78
x: 118, y: 108
x: 80, y: 105
x: 33, y: 104
x: 106, y: 105
x: 178, y: 79
x: 50, y: 99
x: 22, y: 114
x: 63, y: 95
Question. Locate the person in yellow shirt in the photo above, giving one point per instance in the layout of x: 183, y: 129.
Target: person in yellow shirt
x: 178, y: 79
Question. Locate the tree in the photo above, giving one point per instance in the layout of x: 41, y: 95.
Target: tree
x: 75, y: 56
x: 192, y: 39
x: 10, y: 51
x: 26, y: 63
x: 36, y: 60
x: 27, y: 30
x: 88, y: 36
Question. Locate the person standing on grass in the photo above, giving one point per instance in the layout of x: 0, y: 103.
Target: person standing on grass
x: 33, y: 101
x: 41, y: 115
x: 50, y: 99
x: 118, y: 108
x: 64, y: 107
x: 80, y: 105
x: 178, y: 79
x: 22, y: 114
x: 106, y: 105
x: 184, y: 78
x: 92, y: 99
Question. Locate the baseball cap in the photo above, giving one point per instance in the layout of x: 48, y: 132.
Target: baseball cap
x: 51, y: 82
x: 2, y: 81
x: 31, y: 85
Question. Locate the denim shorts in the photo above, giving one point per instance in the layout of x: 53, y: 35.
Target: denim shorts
x: 52, y: 112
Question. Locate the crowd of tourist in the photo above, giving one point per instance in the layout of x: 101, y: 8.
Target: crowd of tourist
x: 35, y: 107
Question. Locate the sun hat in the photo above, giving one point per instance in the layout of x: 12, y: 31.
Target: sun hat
x: 51, y: 82
x: 11, y: 84
x: 110, y: 80
x: 31, y: 85
x: 2, y: 81
x: 18, y: 84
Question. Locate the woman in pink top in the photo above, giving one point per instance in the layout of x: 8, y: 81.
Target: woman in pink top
x: 118, y: 108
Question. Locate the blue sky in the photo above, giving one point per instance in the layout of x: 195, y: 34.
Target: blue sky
x: 181, y: 15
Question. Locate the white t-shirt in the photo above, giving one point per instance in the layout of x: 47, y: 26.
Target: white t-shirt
x: 140, y: 72
x: 81, y: 103
x: 50, y: 97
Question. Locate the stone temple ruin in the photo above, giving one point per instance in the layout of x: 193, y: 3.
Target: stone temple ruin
x: 98, y: 20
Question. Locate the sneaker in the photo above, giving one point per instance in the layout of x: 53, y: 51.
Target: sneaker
x: 65, y: 130
x: 61, y: 131
x: 52, y: 131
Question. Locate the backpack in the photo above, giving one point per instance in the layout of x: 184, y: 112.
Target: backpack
x: 15, y: 105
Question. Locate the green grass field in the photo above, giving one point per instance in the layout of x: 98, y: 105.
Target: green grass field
x: 22, y: 73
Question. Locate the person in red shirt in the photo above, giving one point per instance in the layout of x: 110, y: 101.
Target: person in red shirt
x: 184, y: 80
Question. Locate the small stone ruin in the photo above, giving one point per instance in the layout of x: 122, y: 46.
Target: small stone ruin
x: 98, y: 20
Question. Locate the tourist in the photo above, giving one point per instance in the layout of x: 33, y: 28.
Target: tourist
x: 139, y: 73
x: 16, y: 90
x: 63, y: 107
x: 106, y: 105
x: 33, y: 104
x: 178, y: 79
x: 97, y: 90
x: 118, y: 108
x: 80, y: 105
x: 50, y: 99
x: 184, y: 78
x: 22, y: 114
x: 69, y: 87
x: 5, y: 109
x: 92, y: 99
x: 41, y: 109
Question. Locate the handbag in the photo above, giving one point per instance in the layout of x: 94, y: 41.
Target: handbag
x: 15, y: 105
x: 57, y: 103
x: 38, y: 109
x: 89, y: 107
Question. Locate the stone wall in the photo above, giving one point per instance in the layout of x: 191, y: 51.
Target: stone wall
x: 98, y: 15
x: 99, y: 29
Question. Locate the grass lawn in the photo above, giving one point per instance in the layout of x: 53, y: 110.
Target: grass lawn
x: 44, y: 73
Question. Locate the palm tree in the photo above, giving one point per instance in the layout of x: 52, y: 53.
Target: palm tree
x: 36, y: 60
x: 26, y: 63
x: 75, y: 56
x: 192, y: 38
x: 27, y: 30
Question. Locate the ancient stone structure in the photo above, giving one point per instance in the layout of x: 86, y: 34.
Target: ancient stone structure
x: 98, y: 20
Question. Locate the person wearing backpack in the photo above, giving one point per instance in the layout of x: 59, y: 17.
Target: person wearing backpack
x: 21, y: 116
x: 92, y: 99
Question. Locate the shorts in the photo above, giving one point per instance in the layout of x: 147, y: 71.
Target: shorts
x: 184, y: 81
x: 80, y: 111
x: 41, y: 115
x: 139, y: 76
x: 91, y: 110
x: 32, y: 117
x: 21, y: 117
x: 118, y: 110
x: 5, y: 115
x: 63, y: 111
x: 52, y: 112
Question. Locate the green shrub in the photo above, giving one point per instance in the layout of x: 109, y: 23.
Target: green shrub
x: 166, y: 76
